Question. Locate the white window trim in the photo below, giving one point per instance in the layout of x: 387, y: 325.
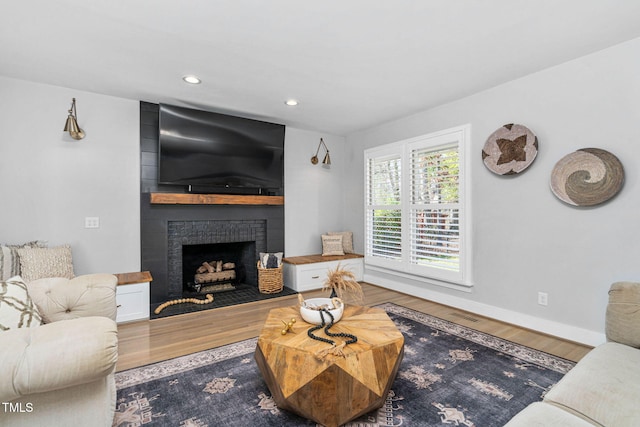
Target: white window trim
x: 463, y: 278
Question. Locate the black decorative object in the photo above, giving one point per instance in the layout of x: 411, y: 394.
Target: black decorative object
x: 327, y: 325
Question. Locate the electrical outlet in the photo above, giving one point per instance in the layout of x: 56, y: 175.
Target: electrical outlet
x: 92, y: 222
x: 543, y: 298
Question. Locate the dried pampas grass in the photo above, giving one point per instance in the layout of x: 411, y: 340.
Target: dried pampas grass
x: 343, y: 282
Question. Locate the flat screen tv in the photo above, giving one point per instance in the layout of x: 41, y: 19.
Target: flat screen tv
x: 217, y: 153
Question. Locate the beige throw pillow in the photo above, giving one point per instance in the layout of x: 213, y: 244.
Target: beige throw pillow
x: 332, y: 245
x: 40, y: 263
x: 347, y: 240
x: 17, y: 310
x: 10, y: 261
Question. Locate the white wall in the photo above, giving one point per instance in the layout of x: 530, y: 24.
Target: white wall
x: 313, y: 193
x: 525, y: 239
x: 49, y: 182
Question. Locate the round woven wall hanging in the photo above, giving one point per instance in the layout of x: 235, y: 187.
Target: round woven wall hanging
x: 587, y: 177
x: 510, y: 149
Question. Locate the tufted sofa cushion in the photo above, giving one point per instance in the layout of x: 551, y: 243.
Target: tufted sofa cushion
x: 88, y: 295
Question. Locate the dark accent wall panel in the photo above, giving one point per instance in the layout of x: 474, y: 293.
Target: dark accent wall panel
x: 154, y: 219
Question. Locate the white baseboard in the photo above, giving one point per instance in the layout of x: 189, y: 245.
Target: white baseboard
x: 560, y: 330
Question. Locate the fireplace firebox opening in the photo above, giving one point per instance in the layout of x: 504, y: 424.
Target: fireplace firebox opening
x: 217, y: 267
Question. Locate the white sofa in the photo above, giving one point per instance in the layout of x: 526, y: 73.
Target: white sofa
x: 603, y: 389
x: 62, y: 372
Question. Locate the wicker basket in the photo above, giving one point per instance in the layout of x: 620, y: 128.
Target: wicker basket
x: 269, y: 279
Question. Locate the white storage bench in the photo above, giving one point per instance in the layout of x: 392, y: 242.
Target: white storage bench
x: 309, y: 272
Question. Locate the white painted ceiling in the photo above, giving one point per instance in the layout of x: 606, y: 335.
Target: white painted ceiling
x: 351, y: 63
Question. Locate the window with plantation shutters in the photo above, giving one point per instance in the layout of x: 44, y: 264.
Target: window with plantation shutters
x: 416, y: 207
x: 384, y: 210
x: 434, y: 208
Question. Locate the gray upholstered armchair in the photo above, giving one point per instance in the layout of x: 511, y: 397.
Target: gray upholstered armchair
x: 62, y: 372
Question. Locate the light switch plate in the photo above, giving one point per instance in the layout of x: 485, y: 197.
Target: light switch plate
x: 92, y: 222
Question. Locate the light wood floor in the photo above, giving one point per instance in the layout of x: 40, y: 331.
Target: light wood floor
x: 149, y: 341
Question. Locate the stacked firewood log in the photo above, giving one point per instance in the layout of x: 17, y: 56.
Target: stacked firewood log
x: 215, y: 271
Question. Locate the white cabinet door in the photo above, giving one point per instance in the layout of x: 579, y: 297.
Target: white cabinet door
x: 133, y: 302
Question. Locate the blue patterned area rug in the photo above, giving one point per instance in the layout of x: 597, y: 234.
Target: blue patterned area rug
x: 451, y: 375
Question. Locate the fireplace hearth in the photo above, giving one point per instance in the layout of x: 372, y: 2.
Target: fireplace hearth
x: 168, y: 229
x: 190, y: 243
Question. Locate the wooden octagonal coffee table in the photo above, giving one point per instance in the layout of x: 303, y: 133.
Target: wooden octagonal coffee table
x: 330, y: 389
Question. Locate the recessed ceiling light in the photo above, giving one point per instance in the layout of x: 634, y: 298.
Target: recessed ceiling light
x: 291, y: 102
x: 191, y: 80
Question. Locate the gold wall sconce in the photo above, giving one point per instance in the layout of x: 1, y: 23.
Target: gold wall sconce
x: 327, y: 159
x: 71, y: 125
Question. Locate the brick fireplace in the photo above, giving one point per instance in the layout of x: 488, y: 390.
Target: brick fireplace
x: 190, y: 243
x: 166, y: 230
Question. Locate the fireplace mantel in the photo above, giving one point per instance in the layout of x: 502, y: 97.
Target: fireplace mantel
x: 214, y: 199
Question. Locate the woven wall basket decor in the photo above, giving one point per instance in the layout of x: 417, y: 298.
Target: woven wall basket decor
x: 587, y: 177
x: 510, y: 149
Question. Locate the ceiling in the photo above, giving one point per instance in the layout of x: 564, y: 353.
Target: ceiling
x: 351, y: 64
